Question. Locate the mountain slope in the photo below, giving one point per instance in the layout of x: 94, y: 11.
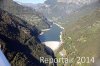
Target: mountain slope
x: 63, y: 11
x: 26, y: 13
x: 83, y: 37
x: 18, y: 40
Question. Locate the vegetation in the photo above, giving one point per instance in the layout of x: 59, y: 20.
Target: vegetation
x: 29, y: 15
x: 81, y: 38
x: 18, y: 40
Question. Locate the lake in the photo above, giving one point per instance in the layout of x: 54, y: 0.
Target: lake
x: 51, y: 38
x: 51, y: 35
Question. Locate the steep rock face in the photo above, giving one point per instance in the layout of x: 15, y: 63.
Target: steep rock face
x: 18, y: 41
x: 65, y: 10
x: 78, y: 2
x: 26, y: 13
x: 4, y: 3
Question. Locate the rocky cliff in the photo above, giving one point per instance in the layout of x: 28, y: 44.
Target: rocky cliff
x: 63, y: 11
x: 26, y: 13
x: 18, y: 41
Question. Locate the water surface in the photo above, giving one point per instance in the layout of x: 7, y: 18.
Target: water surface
x: 51, y: 35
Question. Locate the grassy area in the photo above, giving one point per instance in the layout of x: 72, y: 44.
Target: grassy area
x: 59, y: 56
x: 81, y: 38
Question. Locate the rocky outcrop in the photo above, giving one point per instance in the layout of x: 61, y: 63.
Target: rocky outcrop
x: 63, y: 11
x: 25, y: 13
x: 18, y: 41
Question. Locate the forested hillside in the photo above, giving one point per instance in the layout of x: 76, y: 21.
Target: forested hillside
x: 18, y: 40
x: 19, y: 30
x: 81, y: 38
x: 26, y: 13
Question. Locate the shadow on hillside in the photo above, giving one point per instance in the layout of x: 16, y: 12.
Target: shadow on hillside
x: 51, y: 53
x: 16, y: 46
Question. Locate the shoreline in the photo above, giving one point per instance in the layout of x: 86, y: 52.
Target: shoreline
x: 59, y: 26
x: 54, y: 45
x: 61, y: 39
x: 45, y: 30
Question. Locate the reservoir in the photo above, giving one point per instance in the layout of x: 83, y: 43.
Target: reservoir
x: 52, y: 37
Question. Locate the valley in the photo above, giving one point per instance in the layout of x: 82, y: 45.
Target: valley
x: 53, y: 29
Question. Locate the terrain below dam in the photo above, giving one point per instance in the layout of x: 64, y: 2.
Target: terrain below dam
x: 52, y: 37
